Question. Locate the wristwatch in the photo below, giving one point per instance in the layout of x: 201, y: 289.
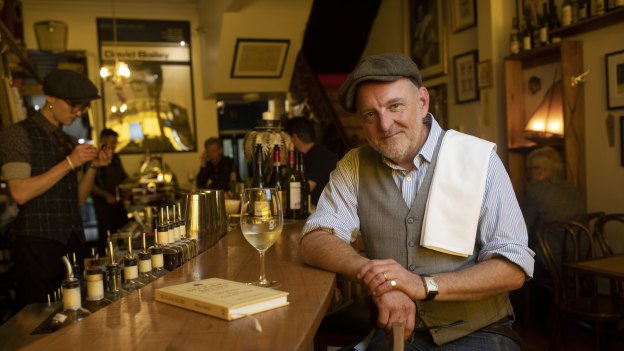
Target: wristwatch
x: 431, y: 287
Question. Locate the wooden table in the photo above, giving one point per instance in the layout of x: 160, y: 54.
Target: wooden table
x: 137, y: 322
x: 609, y: 266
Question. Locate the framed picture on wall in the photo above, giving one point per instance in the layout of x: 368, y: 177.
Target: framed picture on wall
x: 484, y: 74
x: 152, y: 108
x: 259, y: 58
x: 463, y: 14
x: 615, y: 80
x: 424, y: 36
x: 465, y: 67
x: 438, y: 104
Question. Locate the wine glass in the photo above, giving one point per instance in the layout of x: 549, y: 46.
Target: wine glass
x: 261, y: 223
x: 190, y: 176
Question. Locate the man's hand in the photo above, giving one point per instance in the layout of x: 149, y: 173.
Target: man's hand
x: 203, y: 159
x: 382, y: 276
x: 396, y: 307
x: 111, y: 199
x: 82, y: 154
x: 103, y: 159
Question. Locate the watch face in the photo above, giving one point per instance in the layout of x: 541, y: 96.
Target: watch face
x: 431, y: 284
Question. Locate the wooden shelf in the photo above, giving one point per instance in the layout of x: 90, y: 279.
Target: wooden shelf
x: 593, y: 23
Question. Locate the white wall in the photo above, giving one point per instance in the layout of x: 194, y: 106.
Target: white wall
x: 80, y: 17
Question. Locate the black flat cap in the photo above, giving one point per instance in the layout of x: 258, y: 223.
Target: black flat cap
x: 69, y: 85
x: 384, y: 68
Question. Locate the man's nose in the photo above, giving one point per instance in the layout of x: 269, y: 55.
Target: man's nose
x: 385, y: 120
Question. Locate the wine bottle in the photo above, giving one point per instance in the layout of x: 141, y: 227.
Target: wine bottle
x: 276, y: 181
x: 583, y: 10
x: 543, y: 30
x: 566, y: 13
x: 258, y: 180
x: 527, y: 35
x: 553, y: 23
x: 297, y: 191
x: 514, y: 37
x: 600, y: 7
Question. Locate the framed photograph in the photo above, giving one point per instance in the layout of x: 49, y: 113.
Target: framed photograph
x: 465, y: 67
x: 152, y: 109
x: 424, y: 36
x: 615, y: 80
x: 484, y: 74
x: 438, y: 104
x: 259, y: 58
x: 463, y: 14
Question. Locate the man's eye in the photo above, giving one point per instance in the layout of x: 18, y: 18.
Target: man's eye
x: 395, y: 106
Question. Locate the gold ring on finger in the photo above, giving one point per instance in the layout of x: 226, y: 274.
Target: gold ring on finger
x: 385, y: 277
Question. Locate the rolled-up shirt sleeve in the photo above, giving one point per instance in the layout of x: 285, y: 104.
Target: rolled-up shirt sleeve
x: 337, y: 206
x: 502, y: 230
x: 15, y: 153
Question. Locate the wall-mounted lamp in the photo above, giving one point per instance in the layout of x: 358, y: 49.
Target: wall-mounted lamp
x: 51, y: 36
x: 547, y: 120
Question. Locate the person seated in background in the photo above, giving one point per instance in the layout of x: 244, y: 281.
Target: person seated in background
x: 548, y: 197
x: 215, y: 169
x: 109, y: 211
x: 318, y: 160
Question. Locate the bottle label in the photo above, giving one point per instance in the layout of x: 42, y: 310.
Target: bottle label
x: 295, y: 196
x: 162, y: 237
x: 566, y: 15
x: 95, y: 290
x: 158, y: 261
x: 515, y: 47
x: 71, y: 298
x: 131, y: 272
x: 145, y: 266
x: 526, y: 43
x: 262, y: 209
x: 170, y: 235
x: 543, y: 35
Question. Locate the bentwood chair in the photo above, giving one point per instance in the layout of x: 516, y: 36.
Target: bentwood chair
x: 575, y: 296
x: 606, y: 231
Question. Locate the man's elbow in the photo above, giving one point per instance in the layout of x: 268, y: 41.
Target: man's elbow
x: 516, y: 278
x: 304, y: 250
x: 19, y: 197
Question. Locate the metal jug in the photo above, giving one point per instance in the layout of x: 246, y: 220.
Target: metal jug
x: 205, y: 219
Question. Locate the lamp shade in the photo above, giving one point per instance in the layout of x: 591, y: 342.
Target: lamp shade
x: 51, y: 36
x: 547, y: 120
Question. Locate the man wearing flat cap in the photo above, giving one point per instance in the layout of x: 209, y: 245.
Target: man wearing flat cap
x: 40, y: 164
x: 443, y: 233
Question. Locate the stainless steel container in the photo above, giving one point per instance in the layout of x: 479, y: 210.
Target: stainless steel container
x: 204, y: 216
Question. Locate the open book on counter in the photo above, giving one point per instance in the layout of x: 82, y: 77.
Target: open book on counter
x: 222, y: 298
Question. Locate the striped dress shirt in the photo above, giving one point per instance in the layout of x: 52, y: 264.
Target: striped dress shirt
x: 501, y: 230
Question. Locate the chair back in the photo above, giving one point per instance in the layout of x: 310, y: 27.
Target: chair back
x: 562, y: 242
x: 615, y: 224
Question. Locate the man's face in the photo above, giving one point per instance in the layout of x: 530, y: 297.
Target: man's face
x: 110, y: 142
x: 392, y: 115
x: 65, y: 112
x: 213, y: 151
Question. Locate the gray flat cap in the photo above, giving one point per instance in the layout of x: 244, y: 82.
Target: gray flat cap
x: 384, y: 68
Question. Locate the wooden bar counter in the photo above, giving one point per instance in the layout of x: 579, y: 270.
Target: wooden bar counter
x: 138, y: 322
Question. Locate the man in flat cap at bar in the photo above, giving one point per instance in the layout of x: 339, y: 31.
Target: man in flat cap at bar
x: 444, y: 236
x: 40, y: 164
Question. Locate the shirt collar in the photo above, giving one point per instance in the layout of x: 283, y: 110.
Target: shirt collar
x: 45, y: 124
x: 426, y: 151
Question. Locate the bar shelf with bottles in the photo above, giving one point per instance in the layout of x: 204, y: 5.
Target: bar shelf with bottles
x: 591, y: 23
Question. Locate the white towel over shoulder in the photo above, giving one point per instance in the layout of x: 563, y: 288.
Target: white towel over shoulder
x: 456, y: 194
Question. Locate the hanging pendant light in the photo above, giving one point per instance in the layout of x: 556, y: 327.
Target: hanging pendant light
x: 119, y: 72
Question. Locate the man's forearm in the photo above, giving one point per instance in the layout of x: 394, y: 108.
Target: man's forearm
x: 86, y: 184
x: 324, y: 250
x: 481, y: 281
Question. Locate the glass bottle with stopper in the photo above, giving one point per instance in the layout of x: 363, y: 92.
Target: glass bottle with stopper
x: 72, y: 307
x: 158, y: 261
x: 131, y: 270
x: 174, y: 237
x: 182, y: 222
x: 113, y: 275
x: 180, y: 235
x: 95, y: 289
x: 169, y: 254
x: 145, y: 264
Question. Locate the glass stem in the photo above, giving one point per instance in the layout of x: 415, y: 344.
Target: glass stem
x: 262, y: 280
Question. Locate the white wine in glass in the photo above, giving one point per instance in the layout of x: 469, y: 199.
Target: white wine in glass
x: 261, y: 223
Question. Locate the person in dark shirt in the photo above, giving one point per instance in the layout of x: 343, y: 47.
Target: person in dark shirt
x: 317, y: 159
x: 216, y: 169
x: 49, y: 176
x: 110, y: 212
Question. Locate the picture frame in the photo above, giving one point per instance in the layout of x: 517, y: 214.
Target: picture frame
x: 259, y: 58
x: 463, y: 15
x: 152, y: 109
x: 614, y: 63
x: 438, y: 105
x: 425, y: 37
x: 465, y: 73
x: 484, y: 74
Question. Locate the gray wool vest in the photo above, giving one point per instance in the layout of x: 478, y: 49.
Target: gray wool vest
x: 390, y: 229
